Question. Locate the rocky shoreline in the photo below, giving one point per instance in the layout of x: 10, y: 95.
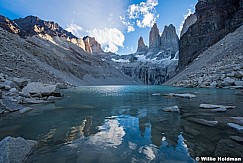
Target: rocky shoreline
x: 16, y: 92
x: 220, y: 66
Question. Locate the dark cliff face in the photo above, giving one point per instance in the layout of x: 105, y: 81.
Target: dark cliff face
x: 215, y: 19
x: 32, y: 25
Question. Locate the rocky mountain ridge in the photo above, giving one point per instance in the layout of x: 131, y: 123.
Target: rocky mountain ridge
x: 32, y: 25
x: 41, y: 60
x: 152, y: 64
x: 215, y: 19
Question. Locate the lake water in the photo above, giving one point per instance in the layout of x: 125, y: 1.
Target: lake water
x: 123, y: 124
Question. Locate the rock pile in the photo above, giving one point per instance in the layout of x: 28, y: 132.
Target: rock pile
x: 15, y: 91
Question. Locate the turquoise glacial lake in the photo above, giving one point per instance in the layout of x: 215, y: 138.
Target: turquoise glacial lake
x: 123, y: 124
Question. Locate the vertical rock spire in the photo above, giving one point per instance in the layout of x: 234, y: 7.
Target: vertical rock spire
x: 154, y: 38
x: 141, y: 46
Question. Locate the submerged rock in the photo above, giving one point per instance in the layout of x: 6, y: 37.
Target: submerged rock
x: 183, y: 95
x: 203, y: 122
x: 172, y: 109
x: 237, y: 138
x: 238, y: 119
x: 25, y: 109
x: 219, y: 110
x: 229, y: 148
x: 210, y: 106
x: 11, y: 106
x: 15, y: 149
x: 235, y: 126
x: 191, y: 131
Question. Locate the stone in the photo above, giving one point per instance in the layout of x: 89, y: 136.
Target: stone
x: 141, y: 46
x: 61, y: 86
x: 213, y: 84
x: 219, y: 110
x: 237, y: 138
x: 172, y: 109
x: 235, y: 126
x: 1, y: 94
x: 238, y: 74
x: 21, y: 82
x: 13, y: 92
x: 239, y: 83
x: 9, y: 84
x: 210, y: 106
x: 229, y: 81
x: 11, y: 106
x: 53, y: 98
x: 15, y: 149
x: 183, y: 95
x: 203, y: 122
x: 39, y: 88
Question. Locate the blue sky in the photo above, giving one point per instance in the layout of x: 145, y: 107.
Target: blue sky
x: 116, y: 24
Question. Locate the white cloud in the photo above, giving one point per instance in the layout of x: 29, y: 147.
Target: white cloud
x: 130, y: 28
x: 75, y: 29
x: 189, y: 12
x: 109, y: 38
x: 143, y: 15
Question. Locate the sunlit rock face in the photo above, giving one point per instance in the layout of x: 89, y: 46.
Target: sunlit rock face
x: 33, y: 26
x: 91, y: 45
x: 215, y: 19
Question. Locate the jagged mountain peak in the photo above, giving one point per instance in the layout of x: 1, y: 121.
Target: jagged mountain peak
x: 48, y: 30
x: 141, y: 46
x: 34, y: 25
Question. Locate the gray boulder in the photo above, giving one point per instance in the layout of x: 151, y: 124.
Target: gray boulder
x: 39, y: 88
x: 229, y: 81
x: 239, y: 83
x: 238, y: 74
x: 21, y: 82
x: 9, y: 84
x: 15, y: 150
x: 203, y: 122
x: 213, y: 84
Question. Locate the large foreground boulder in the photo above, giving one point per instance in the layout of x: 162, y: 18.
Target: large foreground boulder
x: 15, y: 150
x: 39, y: 88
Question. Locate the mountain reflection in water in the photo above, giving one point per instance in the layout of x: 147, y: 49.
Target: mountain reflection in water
x: 123, y: 124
